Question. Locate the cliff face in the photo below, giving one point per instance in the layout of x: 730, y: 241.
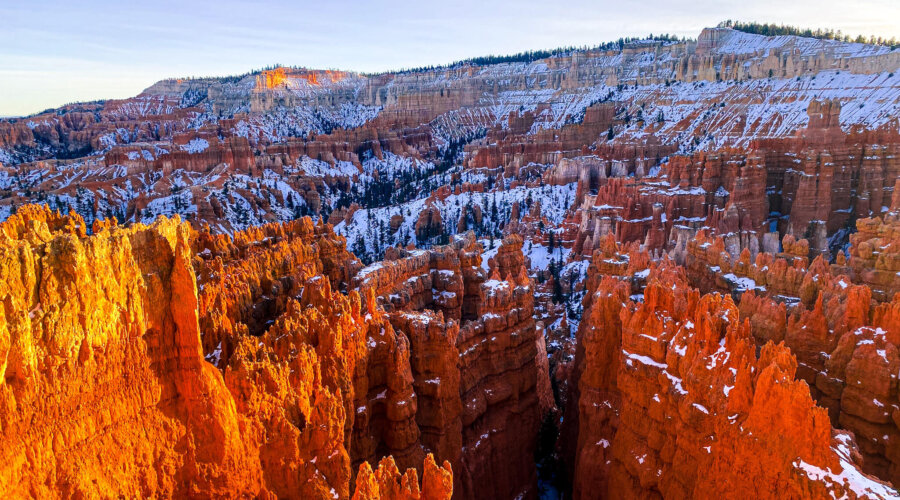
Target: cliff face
x: 116, y: 359
x: 875, y: 252
x: 837, y: 319
x: 275, y: 145
x: 813, y: 186
x: 673, y: 402
x: 131, y: 330
x: 475, y: 361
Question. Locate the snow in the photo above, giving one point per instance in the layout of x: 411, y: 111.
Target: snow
x: 849, y: 476
x: 180, y: 202
x: 142, y: 154
x: 740, y: 283
x: 643, y: 360
x: 540, y: 255
x: 394, y: 165
x: 319, y: 168
x: 216, y: 356
x: 730, y: 41
x: 676, y: 383
x: 369, y: 270
x: 488, y: 253
x: 420, y: 318
x: 362, y: 227
x: 495, y: 286
x: 282, y: 122
x: 195, y: 146
x: 760, y: 107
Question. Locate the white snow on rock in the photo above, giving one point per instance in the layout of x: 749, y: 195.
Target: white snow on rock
x: 370, y: 225
x: 195, y: 146
x: 730, y: 41
x: 541, y: 256
x: 849, y: 476
x: 319, y: 168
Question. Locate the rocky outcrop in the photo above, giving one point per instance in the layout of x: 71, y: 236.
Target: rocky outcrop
x: 474, y: 347
x: 812, y: 188
x: 827, y: 315
x: 429, y: 224
x: 731, y: 54
x: 673, y: 402
x: 247, y: 280
x: 68, y: 364
x: 875, y: 253
x: 107, y: 389
x: 513, y: 149
x: 387, y: 483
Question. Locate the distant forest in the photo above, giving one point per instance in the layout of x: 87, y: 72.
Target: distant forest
x: 822, y: 34
x: 526, y: 57
x: 755, y: 28
x: 529, y: 56
x: 534, y: 55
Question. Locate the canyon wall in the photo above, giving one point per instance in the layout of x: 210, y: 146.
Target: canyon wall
x: 107, y: 389
x: 476, y: 353
x: 673, y: 401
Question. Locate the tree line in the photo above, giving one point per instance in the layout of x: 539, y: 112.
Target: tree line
x: 773, y: 29
x: 529, y: 56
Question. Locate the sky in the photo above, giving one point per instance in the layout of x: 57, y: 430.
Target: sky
x: 54, y: 52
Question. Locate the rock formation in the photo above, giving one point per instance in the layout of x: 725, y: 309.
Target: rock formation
x: 474, y: 350
x: 106, y: 391
x: 673, y: 402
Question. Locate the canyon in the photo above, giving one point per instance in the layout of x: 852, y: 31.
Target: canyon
x: 655, y: 268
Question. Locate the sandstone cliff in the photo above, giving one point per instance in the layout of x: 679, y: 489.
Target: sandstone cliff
x: 674, y: 402
x: 475, y: 355
x: 106, y: 391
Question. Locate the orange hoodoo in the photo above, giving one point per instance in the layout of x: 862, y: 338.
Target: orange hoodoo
x: 106, y: 389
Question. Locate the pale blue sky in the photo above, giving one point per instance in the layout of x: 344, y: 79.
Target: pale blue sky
x: 58, y: 51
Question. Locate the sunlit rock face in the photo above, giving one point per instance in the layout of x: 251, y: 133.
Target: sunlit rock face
x: 674, y: 400
x: 102, y: 337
